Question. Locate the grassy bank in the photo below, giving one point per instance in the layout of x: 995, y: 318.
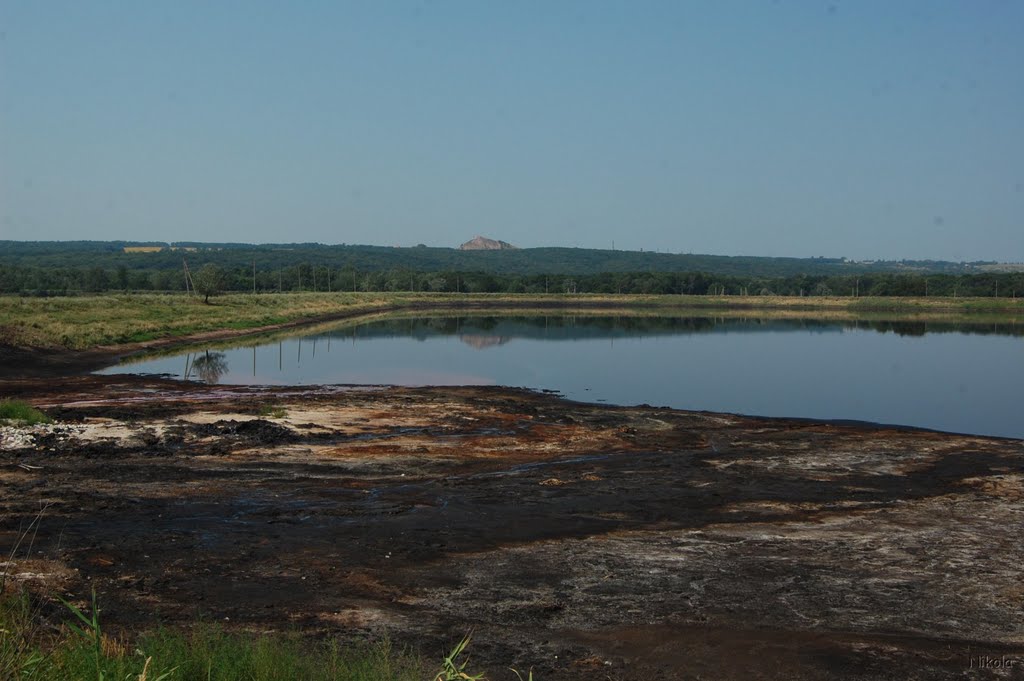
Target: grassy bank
x: 81, y: 323
x: 18, y: 412
x: 79, y: 650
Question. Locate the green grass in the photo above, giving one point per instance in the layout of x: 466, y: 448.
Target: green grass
x: 79, y: 323
x: 18, y: 410
x: 81, y: 651
x: 273, y: 411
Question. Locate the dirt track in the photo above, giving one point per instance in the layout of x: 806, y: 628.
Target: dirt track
x: 587, y: 541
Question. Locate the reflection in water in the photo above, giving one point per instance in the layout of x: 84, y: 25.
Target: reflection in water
x: 209, y: 367
x: 482, y: 342
x: 476, y: 328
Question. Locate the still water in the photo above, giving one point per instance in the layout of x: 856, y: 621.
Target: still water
x: 960, y: 378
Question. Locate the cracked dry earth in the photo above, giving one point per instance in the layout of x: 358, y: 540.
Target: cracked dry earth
x: 586, y: 541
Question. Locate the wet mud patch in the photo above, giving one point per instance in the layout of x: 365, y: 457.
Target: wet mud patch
x: 251, y: 433
x: 582, y: 540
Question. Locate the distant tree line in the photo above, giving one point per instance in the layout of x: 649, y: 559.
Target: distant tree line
x: 52, y: 280
x: 113, y: 255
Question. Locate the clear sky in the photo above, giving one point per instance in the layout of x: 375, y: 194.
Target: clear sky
x: 868, y: 129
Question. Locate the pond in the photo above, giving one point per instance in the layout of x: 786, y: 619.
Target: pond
x: 959, y: 378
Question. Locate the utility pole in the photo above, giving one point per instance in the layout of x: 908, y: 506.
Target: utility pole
x: 254, y: 275
x: 188, y: 278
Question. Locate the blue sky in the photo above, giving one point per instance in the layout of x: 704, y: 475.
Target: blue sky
x: 862, y: 129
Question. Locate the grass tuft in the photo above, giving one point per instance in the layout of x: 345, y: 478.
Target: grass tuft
x: 273, y: 411
x: 454, y: 666
x: 18, y: 410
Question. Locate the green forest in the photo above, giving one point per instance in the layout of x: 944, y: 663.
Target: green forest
x: 63, y: 268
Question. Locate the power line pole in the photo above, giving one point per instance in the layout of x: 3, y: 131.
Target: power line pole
x: 188, y: 278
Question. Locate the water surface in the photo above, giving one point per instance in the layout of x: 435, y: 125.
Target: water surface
x: 959, y: 378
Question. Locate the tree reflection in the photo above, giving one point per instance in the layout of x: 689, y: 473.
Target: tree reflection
x: 211, y: 366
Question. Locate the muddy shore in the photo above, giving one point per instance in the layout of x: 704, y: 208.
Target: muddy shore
x: 586, y: 541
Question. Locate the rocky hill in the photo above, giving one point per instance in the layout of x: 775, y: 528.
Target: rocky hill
x: 482, y: 243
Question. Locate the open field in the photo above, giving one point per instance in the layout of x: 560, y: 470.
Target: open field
x: 89, y: 322
x: 584, y: 541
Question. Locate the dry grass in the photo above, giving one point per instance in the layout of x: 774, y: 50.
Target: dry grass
x: 78, y: 323
x: 85, y: 322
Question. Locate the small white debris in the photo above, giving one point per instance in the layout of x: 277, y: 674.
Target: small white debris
x: 24, y: 437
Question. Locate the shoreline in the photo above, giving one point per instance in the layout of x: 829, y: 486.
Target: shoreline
x: 21, y: 358
x: 555, y: 530
x: 571, y: 537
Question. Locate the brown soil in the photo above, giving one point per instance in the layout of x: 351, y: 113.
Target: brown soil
x: 586, y: 541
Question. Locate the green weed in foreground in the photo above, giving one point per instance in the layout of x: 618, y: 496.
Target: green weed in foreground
x: 19, y: 656
x: 18, y: 410
x: 83, y: 652
x: 273, y: 411
x: 454, y: 667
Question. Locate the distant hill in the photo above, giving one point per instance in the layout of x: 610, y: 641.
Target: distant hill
x: 482, y: 243
x: 502, y: 261
x: 55, y: 268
